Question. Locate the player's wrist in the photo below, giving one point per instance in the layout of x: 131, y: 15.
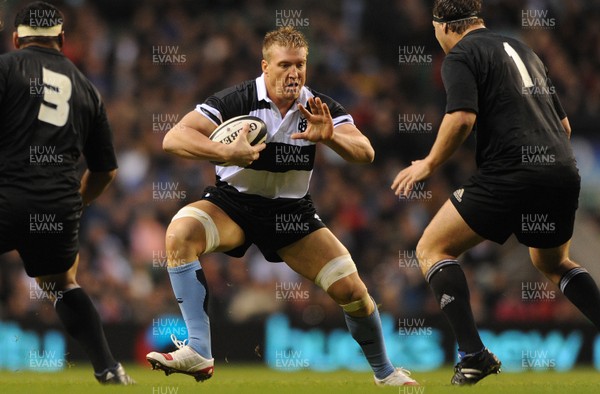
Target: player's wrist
x: 222, y: 152
x: 431, y: 163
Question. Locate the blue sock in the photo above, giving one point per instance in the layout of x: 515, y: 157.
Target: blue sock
x: 189, y: 285
x: 367, y: 332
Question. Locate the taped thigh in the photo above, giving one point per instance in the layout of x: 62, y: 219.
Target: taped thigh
x: 334, y: 270
x: 210, y: 229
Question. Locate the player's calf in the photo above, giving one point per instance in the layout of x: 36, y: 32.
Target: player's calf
x: 339, y: 278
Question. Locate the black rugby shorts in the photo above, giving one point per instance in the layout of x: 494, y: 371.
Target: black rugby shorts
x: 270, y: 224
x: 46, y: 235
x: 540, y: 216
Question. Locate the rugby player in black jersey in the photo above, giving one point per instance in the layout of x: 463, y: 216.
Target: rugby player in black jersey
x: 50, y: 115
x: 255, y: 199
x: 526, y: 183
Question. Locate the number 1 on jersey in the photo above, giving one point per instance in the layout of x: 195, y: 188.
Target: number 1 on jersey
x: 527, y: 81
x: 57, y: 91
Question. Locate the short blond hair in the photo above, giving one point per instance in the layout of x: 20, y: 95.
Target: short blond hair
x: 286, y: 37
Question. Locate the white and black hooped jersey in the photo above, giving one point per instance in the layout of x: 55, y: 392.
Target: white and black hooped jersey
x: 284, y: 167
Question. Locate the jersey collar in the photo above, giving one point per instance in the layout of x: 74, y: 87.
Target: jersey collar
x: 261, y: 93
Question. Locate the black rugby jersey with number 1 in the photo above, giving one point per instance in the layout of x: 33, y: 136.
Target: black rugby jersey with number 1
x: 284, y: 167
x: 49, y: 114
x: 519, y: 132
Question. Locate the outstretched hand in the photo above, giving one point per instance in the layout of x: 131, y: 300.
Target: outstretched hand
x: 406, y: 179
x: 320, y: 122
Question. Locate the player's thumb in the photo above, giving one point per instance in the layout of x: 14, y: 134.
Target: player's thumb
x: 243, y: 134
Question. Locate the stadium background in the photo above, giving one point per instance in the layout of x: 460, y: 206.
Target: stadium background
x: 153, y: 61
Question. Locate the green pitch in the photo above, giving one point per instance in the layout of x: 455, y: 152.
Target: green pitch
x: 238, y: 379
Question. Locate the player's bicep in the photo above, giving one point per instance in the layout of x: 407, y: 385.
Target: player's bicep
x: 196, y: 121
x: 191, y: 130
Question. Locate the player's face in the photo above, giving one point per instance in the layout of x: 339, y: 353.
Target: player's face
x: 285, y: 72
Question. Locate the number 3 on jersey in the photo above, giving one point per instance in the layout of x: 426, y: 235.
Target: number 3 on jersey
x: 57, y: 92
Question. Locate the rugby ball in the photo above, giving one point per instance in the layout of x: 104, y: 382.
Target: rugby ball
x: 228, y: 131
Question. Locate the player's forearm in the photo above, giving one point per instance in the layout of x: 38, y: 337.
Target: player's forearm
x: 188, y: 143
x: 93, y: 184
x: 352, y: 148
x: 454, y: 130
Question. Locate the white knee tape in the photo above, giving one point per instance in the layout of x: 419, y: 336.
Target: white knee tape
x: 212, y: 234
x: 336, y: 269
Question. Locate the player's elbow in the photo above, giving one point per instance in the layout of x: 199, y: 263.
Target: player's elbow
x: 112, y: 174
x: 369, y: 155
x: 102, y: 178
x: 169, y: 143
x: 465, y: 120
x: 368, y: 152
x: 364, y: 153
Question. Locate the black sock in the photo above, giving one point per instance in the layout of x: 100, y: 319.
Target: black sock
x: 82, y: 322
x: 579, y: 287
x: 448, y: 282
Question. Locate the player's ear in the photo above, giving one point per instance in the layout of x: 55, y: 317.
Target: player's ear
x: 264, y: 65
x: 61, y: 39
x: 15, y: 38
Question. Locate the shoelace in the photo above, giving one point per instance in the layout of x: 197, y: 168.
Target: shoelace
x: 179, y: 343
x: 404, y: 371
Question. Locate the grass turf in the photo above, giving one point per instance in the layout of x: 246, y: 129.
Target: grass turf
x: 241, y: 379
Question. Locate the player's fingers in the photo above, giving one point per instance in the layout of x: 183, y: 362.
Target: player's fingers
x: 245, y: 129
x: 243, y: 133
x: 325, y: 110
x: 403, y: 183
x: 259, y: 147
x: 397, y: 181
x: 304, y: 111
x: 299, y: 136
x: 314, y: 107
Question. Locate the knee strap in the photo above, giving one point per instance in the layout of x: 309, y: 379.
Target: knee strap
x: 358, y: 304
x: 212, y: 233
x: 336, y: 269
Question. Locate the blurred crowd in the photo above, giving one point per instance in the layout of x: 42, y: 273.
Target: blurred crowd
x: 154, y: 60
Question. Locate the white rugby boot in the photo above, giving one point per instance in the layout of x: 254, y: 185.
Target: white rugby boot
x: 184, y: 360
x: 400, y: 377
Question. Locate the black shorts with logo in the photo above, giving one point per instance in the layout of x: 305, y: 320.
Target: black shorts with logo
x: 268, y: 223
x: 46, y: 235
x: 539, y: 216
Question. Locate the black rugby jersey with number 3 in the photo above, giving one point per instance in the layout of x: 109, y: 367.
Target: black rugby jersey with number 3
x: 284, y: 167
x: 49, y: 114
x: 519, y: 132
